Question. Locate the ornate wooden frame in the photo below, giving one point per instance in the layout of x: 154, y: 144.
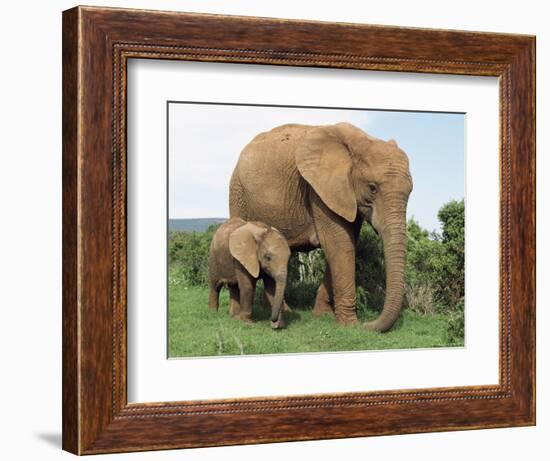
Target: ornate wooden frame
x: 97, y: 43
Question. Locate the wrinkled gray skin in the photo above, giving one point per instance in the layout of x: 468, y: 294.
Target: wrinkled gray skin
x: 317, y: 184
x: 240, y: 253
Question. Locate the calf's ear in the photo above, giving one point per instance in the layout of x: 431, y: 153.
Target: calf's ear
x: 243, y: 246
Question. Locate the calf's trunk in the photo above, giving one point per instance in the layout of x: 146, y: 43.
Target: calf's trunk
x: 277, y: 306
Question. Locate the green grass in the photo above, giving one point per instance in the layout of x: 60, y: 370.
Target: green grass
x: 194, y: 330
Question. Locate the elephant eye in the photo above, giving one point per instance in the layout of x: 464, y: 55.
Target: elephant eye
x: 268, y: 257
x: 373, y: 188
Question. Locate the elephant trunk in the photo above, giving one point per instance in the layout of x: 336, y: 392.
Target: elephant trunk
x: 394, y: 236
x: 277, y: 307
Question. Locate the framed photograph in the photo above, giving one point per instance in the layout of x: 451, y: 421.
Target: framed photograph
x: 281, y: 230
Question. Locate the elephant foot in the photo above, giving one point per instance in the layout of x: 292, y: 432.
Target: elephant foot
x: 346, y: 318
x: 322, y: 308
x: 213, y: 304
x: 247, y: 320
x: 213, y: 299
x: 278, y: 325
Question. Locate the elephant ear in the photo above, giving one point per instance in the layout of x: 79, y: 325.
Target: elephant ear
x: 325, y: 163
x: 243, y: 246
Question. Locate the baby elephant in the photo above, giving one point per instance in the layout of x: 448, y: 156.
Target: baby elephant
x: 240, y: 253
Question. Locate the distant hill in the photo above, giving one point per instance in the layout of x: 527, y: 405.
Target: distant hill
x: 193, y: 224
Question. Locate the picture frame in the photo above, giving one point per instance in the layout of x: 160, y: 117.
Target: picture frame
x: 97, y: 44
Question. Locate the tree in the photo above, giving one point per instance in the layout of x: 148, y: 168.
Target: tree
x: 451, y: 268
x: 435, y: 263
x: 423, y: 254
x: 188, y: 256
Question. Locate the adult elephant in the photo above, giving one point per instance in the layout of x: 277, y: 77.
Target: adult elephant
x: 317, y: 184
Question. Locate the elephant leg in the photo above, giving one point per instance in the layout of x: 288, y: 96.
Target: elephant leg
x: 247, y: 286
x: 234, y: 302
x: 344, y: 287
x: 324, y: 299
x: 337, y: 239
x: 213, y: 297
x: 324, y: 302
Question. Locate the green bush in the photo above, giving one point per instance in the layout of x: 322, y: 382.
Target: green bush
x: 301, y: 294
x: 420, y: 297
x: 436, y: 262
x: 455, y: 325
x: 305, y: 273
x: 450, y: 274
x: 188, y: 257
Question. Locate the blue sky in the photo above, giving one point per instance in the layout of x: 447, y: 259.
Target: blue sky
x: 205, y: 142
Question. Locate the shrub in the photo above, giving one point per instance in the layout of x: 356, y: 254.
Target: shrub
x: 437, y: 261
x: 455, y: 325
x: 362, y: 301
x: 188, y: 256
x: 450, y: 273
x: 420, y: 297
x: 301, y: 294
x: 306, y: 267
